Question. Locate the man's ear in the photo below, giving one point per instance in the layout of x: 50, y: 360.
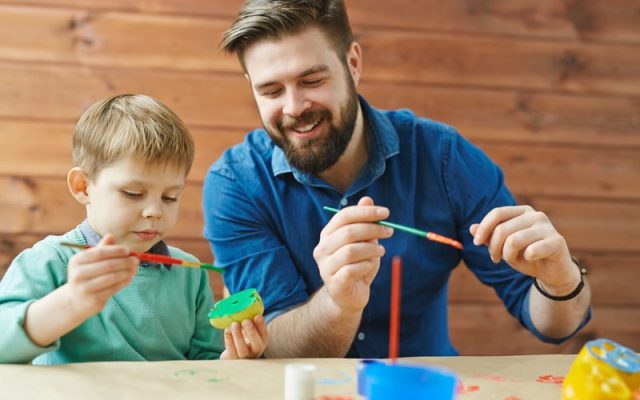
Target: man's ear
x: 78, y: 183
x: 354, y: 62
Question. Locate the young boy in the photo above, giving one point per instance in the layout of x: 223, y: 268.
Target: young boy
x: 131, y: 156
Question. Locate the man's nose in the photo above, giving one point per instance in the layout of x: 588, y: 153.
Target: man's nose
x: 295, y: 103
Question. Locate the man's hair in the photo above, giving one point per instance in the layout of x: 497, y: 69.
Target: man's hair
x: 130, y: 125
x: 273, y: 19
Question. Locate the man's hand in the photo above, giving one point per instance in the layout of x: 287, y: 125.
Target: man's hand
x: 528, y: 242
x: 348, y: 254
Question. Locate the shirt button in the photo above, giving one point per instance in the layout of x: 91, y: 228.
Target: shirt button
x: 344, y: 202
x: 360, y: 335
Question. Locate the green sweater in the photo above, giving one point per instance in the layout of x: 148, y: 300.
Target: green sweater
x: 160, y: 315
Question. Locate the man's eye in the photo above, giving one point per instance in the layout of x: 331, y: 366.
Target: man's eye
x: 315, y: 82
x: 272, y: 93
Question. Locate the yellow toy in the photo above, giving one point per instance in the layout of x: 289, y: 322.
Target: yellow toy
x: 246, y: 304
x: 603, y: 370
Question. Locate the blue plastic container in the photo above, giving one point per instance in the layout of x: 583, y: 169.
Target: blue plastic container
x: 382, y: 381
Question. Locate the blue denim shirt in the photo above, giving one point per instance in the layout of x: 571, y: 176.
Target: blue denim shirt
x: 263, y: 219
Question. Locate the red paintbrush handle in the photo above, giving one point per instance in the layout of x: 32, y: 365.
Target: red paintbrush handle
x: 157, y: 258
x: 394, y: 318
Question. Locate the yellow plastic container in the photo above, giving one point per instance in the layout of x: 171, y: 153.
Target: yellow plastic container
x: 603, y: 370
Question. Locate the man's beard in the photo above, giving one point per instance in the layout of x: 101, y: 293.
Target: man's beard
x: 318, y: 154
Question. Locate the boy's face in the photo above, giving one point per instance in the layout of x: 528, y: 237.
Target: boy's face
x: 135, y: 201
x: 306, y: 96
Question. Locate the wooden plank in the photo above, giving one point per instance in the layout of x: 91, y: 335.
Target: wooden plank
x: 530, y: 170
x: 196, y: 98
x: 592, y: 225
x: 577, y: 20
x: 583, y: 20
x: 11, y: 245
x: 184, y: 43
x: 519, y: 116
x: 226, y: 100
x: 503, y: 63
x: 43, y: 205
x: 613, y: 279
x: 112, y: 39
x: 24, y: 154
x: 490, y: 330
x: 544, y: 170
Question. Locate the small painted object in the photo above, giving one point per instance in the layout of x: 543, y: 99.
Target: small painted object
x: 603, y: 370
x: 246, y: 304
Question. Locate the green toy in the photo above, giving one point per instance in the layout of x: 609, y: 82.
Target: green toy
x: 246, y: 304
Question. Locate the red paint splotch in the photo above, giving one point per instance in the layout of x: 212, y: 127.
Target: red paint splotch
x: 461, y: 388
x: 550, y: 379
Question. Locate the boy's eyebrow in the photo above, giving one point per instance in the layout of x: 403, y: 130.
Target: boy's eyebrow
x: 313, y: 70
x: 143, y: 183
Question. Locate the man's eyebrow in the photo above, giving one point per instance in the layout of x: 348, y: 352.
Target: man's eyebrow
x: 313, y: 70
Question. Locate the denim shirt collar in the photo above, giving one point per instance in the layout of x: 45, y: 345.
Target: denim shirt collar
x: 384, y: 143
x: 93, y: 238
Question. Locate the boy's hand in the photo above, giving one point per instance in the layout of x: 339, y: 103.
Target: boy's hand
x: 96, y: 274
x: 245, y: 341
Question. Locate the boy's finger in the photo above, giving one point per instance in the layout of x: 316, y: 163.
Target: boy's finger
x: 100, y: 253
x: 107, y: 239
x: 107, y: 281
x: 255, y: 339
x: 238, y: 339
x: 103, y: 267
x: 262, y: 327
x: 229, y: 345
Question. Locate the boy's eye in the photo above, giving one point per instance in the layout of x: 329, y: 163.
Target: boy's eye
x: 169, y: 199
x: 132, y: 195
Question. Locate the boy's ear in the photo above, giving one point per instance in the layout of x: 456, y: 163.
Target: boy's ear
x: 78, y: 182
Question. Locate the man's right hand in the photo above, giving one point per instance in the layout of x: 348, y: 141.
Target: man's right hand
x: 348, y: 254
x: 96, y: 274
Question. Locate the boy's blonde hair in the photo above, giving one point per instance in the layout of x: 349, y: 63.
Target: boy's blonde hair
x: 130, y: 125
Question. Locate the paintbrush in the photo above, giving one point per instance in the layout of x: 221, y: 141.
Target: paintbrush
x: 429, y: 235
x: 158, y: 258
x: 394, y: 315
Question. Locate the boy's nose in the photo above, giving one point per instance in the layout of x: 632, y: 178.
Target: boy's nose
x: 152, y: 210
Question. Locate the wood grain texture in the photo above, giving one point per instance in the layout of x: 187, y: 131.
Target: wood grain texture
x: 589, y: 20
x: 187, y: 43
x: 489, y: 330
x: 549, y: 89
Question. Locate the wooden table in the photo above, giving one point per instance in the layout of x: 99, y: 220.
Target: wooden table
x: 496, y: 378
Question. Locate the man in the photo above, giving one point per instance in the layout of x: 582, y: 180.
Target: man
x: 325, y: 279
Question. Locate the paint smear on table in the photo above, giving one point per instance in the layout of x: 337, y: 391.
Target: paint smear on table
x: 461, y: 388
x: 332, y: 377
x: 550, y: 379
x: 206, y: 375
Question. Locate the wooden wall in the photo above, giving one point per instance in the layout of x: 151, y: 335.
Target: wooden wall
x: 550, y: 89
